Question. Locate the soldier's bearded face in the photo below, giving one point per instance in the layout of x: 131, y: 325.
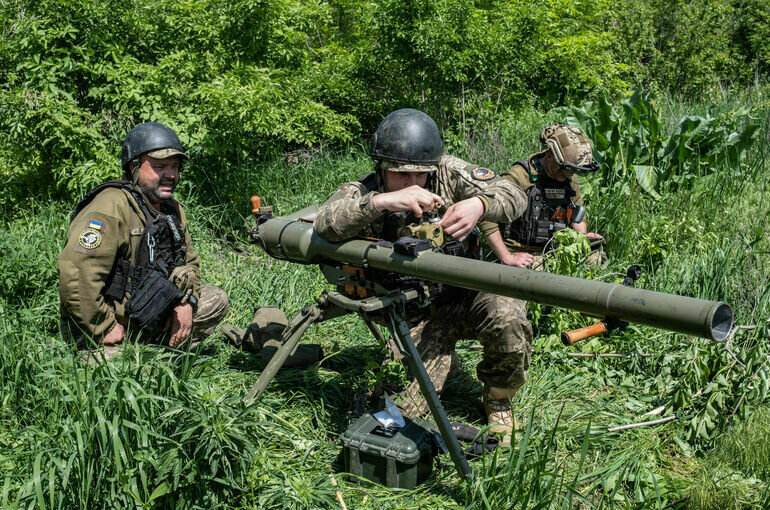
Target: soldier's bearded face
x: 158, y: 178
x: 396, y: 181
x: 554, y: 170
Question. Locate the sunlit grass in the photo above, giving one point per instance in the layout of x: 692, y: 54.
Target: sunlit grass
x: 159, y: 429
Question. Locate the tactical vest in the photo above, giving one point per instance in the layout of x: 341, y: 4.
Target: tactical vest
x: 161, y: 249
x: 549, y: 209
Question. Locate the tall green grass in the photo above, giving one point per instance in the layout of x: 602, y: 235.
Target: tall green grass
x: 162, y: 429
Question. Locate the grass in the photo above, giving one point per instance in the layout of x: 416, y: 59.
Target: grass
x: 160, y: 429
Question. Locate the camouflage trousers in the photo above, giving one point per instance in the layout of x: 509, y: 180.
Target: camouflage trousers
x: 212, y: 308
x: 499, y: 323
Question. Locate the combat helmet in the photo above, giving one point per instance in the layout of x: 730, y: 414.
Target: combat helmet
x: 407, y: 140
x: 158, y: 140
x: 570, y: 147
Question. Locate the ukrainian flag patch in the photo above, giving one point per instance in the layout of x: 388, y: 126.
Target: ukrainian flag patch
x: 96, y: 225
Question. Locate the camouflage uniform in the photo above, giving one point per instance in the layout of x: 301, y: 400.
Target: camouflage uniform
x: 498, y: 322
x: 571, y: 145
x: 108, y: 228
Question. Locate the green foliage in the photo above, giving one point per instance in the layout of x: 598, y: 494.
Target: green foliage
x: 734, y: 474
x: 753, y: 34
x: 630, y: 141
x: 243, y: 80
x: 572, y: 248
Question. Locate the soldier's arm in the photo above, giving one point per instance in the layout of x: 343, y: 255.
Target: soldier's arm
x: 581, y: 227
x: 346, y: 213
x: 94, y: 240
x: 188, y: 277
x: 488, y: 228
x: 503, y: 200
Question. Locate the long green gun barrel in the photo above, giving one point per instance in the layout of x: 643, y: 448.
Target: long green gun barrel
x: 293, y: 238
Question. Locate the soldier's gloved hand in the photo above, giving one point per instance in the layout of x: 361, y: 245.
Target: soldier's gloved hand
x: 115, y: 336
x: 518, y: 259
x: 180, y: 322
x: 414, y: 198
x: 460, y: 218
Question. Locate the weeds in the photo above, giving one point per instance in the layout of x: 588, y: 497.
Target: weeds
x: 160, y: 429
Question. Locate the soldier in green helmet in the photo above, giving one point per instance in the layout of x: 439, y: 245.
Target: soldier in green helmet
x: 411, y: 175
x: 128, y: 269
x: 554, y: 202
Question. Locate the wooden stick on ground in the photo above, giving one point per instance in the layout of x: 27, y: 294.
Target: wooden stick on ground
x: 338, y: 494
x: 642, y: 424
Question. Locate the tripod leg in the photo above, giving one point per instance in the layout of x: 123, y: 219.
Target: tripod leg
x: 289, y: 340
x: 375, y: 331
x: 400, y: 331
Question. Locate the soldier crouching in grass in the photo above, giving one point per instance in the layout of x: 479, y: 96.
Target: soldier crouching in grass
x: 128, y: 269
x: 412, y: 175
x: 554, y: 200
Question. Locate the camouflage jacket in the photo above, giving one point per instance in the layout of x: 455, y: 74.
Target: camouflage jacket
x: 108, y: 228
x: 350, y: 212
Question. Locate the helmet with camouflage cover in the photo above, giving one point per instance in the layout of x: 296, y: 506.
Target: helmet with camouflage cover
x: 407, y: 140
x: 571, y: 149
x: 151, y: 138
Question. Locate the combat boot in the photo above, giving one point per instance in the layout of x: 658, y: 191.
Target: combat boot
x: 497, y: 405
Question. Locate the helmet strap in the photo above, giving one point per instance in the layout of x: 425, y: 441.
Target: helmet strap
x: 134, y: 165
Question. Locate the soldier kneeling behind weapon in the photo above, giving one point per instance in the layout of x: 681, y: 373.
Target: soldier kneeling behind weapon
x: 412, y: 175
x: 554, y: 200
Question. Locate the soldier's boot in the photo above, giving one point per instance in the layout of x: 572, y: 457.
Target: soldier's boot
x: 267, y: 324
x: 497, y: 406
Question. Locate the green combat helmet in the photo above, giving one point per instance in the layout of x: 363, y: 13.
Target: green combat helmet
x: 152, y: 138
x: 570, y: 147
x: 407, y: 140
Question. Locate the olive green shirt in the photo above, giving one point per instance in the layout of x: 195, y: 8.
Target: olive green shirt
x: 350, y: 212
x: 108, y: 228
x: 518, y: 175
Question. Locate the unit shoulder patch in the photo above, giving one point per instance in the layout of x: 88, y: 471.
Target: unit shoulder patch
x: 482, y: 174
x: 90, y: 238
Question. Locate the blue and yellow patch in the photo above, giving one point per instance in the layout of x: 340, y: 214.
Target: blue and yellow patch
x: 482, y: 174
x: 96, y: 225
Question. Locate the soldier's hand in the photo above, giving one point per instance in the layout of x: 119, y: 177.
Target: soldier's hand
x: 414, y: 198
x: 115, y: 336
x: 460, y: 218
x: 518, y: 259
x: 593, y: 235
x: 180, y: 322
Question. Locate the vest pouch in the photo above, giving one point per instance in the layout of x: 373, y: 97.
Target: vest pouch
x: 115, y: 287
x: 149, y: 305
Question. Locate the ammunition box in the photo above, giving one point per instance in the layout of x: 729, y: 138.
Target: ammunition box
x: 392, y: 457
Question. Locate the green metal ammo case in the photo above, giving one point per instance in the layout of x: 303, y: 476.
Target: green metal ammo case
x: 392, y: 457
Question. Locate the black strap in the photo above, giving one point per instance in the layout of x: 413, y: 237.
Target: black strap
x: 89, y: 197
x: 369, y: 182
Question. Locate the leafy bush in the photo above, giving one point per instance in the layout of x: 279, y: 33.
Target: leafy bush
x: 629, y: 141
x: 242, y: 80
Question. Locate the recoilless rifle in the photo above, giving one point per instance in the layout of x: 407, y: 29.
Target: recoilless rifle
x: 382, y: 281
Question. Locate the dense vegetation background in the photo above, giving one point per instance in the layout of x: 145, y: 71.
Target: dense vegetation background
x: 278, y: 98
x: 242, y: 80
